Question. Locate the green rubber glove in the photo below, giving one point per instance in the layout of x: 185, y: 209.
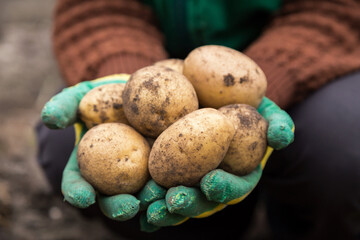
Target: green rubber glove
x: 218, y: 188
x: 61, y: 112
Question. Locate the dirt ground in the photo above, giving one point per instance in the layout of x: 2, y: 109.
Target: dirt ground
x: 28, y: 78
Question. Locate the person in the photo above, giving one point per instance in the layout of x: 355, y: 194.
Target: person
x: 310, y: 53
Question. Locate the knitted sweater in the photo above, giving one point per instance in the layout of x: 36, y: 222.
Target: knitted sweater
x: 307, y: 44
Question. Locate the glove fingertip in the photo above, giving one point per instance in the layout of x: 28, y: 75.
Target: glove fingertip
x: 126, y: 214
x: 267, y: 107
x: 150, y: 193
x: 280, y: 135
x: 50, y: 120
x: 119, y: 207
x: 145, y: 226
x: 82, y: 199
x: 158, y: 214
x: 155, y: 212
x: 206, y: 185
x: 77, y: 192
x: 177, y: 198
x: 55, y: 116
x: 212, y: 187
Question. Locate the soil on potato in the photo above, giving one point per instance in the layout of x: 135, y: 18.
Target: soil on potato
x: 28, y: 78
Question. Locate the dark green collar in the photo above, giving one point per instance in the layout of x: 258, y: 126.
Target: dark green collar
x: 191, y: 23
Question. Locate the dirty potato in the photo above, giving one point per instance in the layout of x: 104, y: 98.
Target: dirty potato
x: 190, y: 148
x: 249, y: 143
x: 155, y: 97
x: 173, y: 63
x: 113, y: 158
x: 223, y: 76
x: 103, y: 104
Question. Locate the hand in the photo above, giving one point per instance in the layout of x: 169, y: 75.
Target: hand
x: 61, y: 112
x: 218, y: 188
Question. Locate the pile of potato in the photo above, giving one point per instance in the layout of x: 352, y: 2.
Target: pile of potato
x: 175, y: 121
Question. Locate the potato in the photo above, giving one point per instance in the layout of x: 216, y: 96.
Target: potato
x: 113, y: 158
x: 155, y: 97
x: 249, y: 143
x: 103, y: 104
x: 173, y: 63
x: 190, y: 148
x: 223, y: 76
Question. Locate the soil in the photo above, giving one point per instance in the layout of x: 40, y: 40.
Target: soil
x: 28, y: 78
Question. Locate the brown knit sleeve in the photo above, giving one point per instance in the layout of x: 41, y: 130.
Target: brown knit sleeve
x: 309, y: 44
x: 101, y: 37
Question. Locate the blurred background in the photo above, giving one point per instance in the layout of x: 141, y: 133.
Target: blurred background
x: 28, y: 78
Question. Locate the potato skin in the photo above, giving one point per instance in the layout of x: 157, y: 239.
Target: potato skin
x: 190, y: 148
x: 173, y: 63
x: 249, y: 144
x: 223, y: 76
x: 113, y: 158
x: 155, y: 97
x: 103, y: 104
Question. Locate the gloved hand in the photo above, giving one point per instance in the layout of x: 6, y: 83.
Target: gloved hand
x: 218, y: 188
x: 61, y: 112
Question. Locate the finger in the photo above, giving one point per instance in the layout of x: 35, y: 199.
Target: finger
x: 267, y: 105
x: 270, y: 111
x: 279, y: 135
x: 145, y: 226
x: 158, y: 215
x: 76, y: 190
x: 190, y: 202
x: 223, y: 187
x: 119, y: 207
x: 281, y: 127
x: 61, y: 110
x: 150, y: 193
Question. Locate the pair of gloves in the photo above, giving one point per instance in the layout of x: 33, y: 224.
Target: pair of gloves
x: 159, y: 207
